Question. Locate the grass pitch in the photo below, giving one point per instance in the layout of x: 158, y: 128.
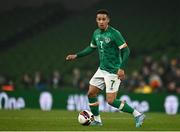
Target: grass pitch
x: 37, y: 120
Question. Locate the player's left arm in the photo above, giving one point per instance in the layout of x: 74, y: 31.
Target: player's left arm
x: 124, y: 51
x: 124, y: 54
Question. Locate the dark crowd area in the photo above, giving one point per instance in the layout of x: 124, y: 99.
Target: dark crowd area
x: 153, y: 76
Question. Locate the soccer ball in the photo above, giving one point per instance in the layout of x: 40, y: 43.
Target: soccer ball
x: 85, y: 117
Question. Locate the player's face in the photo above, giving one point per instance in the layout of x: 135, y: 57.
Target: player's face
x: 102, y: 21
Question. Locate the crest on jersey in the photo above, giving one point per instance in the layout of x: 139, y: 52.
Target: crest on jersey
x: 107, y: 40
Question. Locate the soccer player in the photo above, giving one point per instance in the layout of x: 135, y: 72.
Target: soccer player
x: 113, y: 55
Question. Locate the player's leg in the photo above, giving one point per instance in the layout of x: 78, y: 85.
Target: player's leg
x: 93, y: 102
x: 112, y: 86
x: 121, y: 105
x: 96, y: 84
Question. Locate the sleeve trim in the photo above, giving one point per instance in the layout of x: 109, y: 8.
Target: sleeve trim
x: 123, y: 46
x: 93, y: 46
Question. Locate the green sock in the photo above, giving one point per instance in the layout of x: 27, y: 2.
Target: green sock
x: 94, y: 106
x: 126, y: 108
x: 116, y: 103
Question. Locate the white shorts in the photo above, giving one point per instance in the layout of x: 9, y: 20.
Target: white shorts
x: 102, y: 79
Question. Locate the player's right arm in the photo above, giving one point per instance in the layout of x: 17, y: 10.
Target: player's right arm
x: 88, y: 50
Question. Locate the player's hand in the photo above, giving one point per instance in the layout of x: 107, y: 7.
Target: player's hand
x: 71, y: 57
x: 121, y: 74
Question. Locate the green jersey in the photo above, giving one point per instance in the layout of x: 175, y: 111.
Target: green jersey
x: 108, y: 43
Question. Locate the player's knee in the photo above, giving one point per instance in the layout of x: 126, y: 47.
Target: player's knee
x: 91, y: 94
x: 110, y: 100
x: 93, y: 91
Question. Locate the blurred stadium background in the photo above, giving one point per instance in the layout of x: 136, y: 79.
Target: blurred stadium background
x: 36, y: 36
